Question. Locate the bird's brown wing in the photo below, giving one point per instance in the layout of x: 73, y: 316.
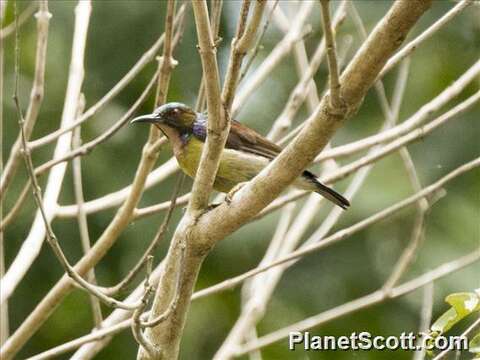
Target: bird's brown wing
x: 245, y: 139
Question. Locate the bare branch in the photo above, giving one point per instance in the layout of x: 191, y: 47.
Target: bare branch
x: 299, y: 94
x: 153, y: 245
x: 33, y: 243
x: 36, y: 95
x: 82, y: 217
x: 15, y: 210
x: 85, y: 149
x: 361, y: 303
x: 146, y: 58
x: 173, y: 304
x: 335, y: 100
x: 294, y: 34
x: 426, y: 317
x: 22, y: 19
x: 218, y: 124
x: 258, y: 43
x: 144, y: 343
x: 412, y: 45
x: 472, y: 327
x: 102, y: 245
x: 159, y: 331
x: 342, y: 234
x: 240, y: 45
x: 117, y: 198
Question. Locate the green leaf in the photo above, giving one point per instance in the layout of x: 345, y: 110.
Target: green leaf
x: 446, y: 321
x: 463, y: 304
x: 474, y: 345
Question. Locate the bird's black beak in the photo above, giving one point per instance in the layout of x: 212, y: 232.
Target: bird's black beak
x: 149, y: 118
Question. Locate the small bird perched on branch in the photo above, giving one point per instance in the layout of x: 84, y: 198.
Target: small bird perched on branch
x: 246, y: 152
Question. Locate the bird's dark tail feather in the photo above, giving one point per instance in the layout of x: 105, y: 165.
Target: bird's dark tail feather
x: 327, y: 192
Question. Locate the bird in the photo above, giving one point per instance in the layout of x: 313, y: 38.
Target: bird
x: 245, y: 154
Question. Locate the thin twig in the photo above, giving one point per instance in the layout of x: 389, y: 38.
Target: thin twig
x: 33, y: 243
x: 282, y: 49
x: 145, y: 59
x: 51, y: 237
x: 299, y: 94
x: 118, y: 197
x: 173, y: 303
x: 82, y: 217
x: 335, y: 100
x: 141, y: 339
x: 22, y: 19
x: 472, y: 327
x: 409, y: 124
x: 361, y: 303
x: 345, y: 233
x: 101, y: 246
x: 153, y: 245
x: 258, y: 43
x: 242, y: 42
x: 150, y: 210
x: 425, y: 317
x: 85, y: 149
x: 422, y: 280
x: 407, y: 254
x: 167, y: 62
x: 414, y: 44
x: 15, y: 210
x: 96, y: 335
x: 36, y: 95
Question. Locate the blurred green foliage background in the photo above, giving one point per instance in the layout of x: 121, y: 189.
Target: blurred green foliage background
x: 120, y: 31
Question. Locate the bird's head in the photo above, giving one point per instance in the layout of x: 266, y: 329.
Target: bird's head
x: 175, y: 115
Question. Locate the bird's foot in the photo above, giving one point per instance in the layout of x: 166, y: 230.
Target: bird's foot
x: 209, y: 207
x: 213, y: 206
x: 231, y: 193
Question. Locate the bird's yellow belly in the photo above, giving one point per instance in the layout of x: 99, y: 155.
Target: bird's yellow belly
x: 235, y: 166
